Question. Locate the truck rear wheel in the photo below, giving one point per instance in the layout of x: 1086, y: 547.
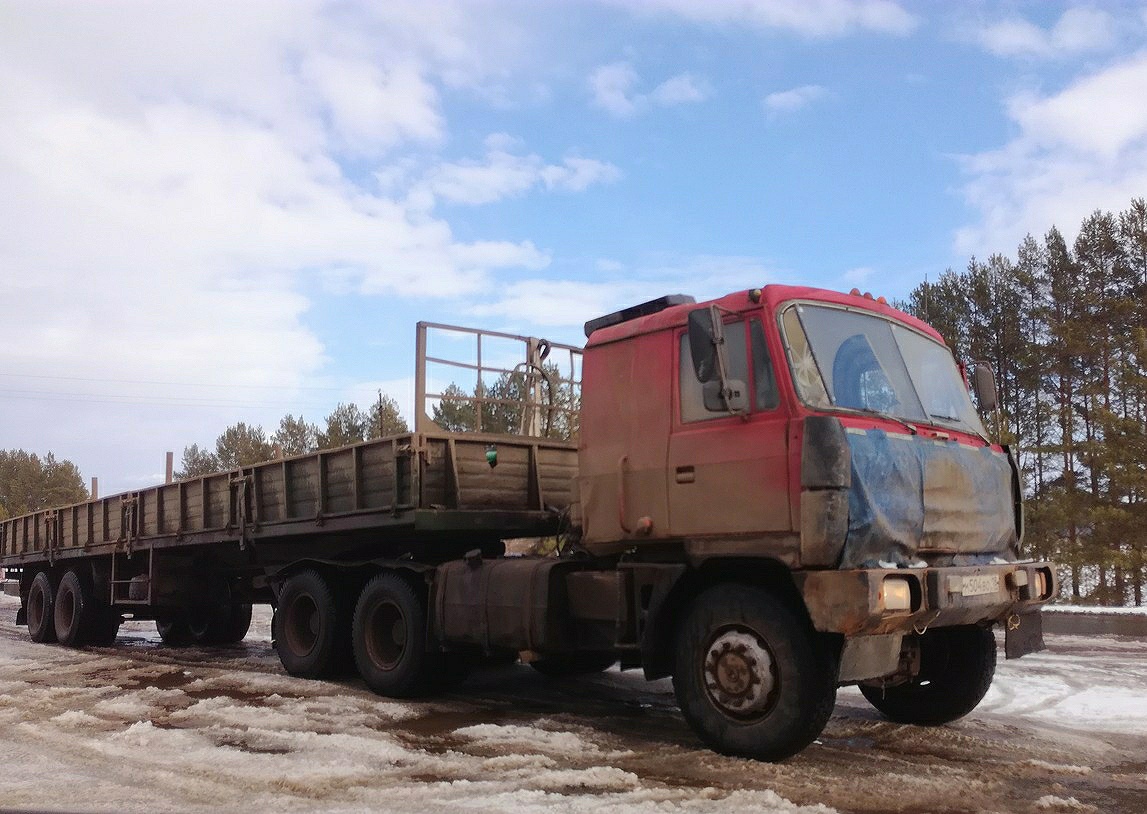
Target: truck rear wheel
x: 312, y: 627
x: 389, y: 637
x: 41, y: 604
x: 957, y: 665
x: 749, y: 677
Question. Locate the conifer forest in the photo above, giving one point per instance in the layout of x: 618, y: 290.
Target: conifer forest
x: 1064, y: 327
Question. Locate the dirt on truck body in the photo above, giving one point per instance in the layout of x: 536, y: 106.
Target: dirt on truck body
x: 765, y: 497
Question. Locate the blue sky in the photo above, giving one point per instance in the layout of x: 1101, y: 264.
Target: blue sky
x: 222, y: 211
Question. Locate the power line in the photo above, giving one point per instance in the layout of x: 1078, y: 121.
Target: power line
x: 149, y: 401
x: 169, y: 384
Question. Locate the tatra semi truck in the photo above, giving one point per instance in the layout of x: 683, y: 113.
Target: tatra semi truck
x: 765, y: 497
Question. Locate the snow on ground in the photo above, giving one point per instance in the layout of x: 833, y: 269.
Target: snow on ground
x: 143, y: 727
x: 1098, y: 609
x: 1103, y: 690
x: 131, y: 728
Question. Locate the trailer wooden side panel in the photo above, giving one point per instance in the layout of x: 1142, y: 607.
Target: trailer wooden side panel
x: 427, y: 484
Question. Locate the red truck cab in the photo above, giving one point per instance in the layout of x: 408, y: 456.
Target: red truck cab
x: 821, y: 449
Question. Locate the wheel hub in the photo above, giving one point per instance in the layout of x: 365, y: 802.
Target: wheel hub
x: 739, y: 673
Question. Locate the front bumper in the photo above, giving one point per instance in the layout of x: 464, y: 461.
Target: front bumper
x: 875, y: 609
x: 854, y: 603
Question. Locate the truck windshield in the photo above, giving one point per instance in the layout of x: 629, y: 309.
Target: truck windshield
x: 859, y: 361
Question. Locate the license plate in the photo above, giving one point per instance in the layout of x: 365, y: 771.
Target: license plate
x: 980, y: 584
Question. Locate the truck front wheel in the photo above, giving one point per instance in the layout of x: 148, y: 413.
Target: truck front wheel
x: 957, y: 665
x: 749, y: 677
x: 389, y: 638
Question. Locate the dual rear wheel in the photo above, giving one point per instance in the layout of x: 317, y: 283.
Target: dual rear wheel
x: 321, y: 631
x: 69, y: 612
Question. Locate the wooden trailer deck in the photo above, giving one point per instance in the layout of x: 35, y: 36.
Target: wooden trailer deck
x: 426, y: 488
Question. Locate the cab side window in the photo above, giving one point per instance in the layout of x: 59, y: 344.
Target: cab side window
x: 692, y: 399
x: 765, y: 395
x: 764, y: 381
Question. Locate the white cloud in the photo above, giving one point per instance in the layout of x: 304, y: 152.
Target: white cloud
x: 614, y: 88
x: 788, y: 101
x: 859, y: 275
x: 1082, y: 149
x: 1079, y: 29
x: 504, y: 174
x: 703, y: 277
x: 810, y: 18
x: 373, y: 109
x: 679, y: 90
x: 612, y: 85
x: 177, y: 177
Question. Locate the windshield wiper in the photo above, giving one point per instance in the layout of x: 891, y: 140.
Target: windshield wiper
x: 962, y: 424
x: 910, y: 427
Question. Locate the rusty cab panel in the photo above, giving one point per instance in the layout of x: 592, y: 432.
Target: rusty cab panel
x: 664, y: 462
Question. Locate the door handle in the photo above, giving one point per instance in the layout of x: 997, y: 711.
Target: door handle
x: 685, y: 474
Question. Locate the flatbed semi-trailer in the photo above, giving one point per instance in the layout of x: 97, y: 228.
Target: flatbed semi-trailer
x: 388, y: 496
x: 764, y: 497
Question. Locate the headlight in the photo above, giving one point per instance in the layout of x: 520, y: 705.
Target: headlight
x: 897, y: 594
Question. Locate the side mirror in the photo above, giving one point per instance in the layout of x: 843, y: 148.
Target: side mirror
x: 984, y: 386
x: 705, y: 336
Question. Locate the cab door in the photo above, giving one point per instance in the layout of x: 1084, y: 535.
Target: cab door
x: 728, y: 474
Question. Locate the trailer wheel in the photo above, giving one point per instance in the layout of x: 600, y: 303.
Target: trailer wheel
x: 105, y: 628
x: 389, y: 637
x: 173, y: 631
x: 560, y: 665
x: 232, y: 625
x: 78, y: 614
x: 41, y: 604
x: 227, y: 623
x: 957, y: 665
x: 311, y: 627
x: 749, y: 677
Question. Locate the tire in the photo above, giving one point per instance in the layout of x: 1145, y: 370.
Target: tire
x: 749, y: 675
x: 312, y: 627
x: 957, y: 665
x: 173, y: 631
x: 79, y: 617
x: 561, y: 665
x: 41, y: 603
x: 222, y: 624
x: 233, y: 628
x: 389, y: 638
x: 106, y: 628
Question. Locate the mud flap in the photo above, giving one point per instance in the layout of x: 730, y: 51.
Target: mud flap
x: 22, y: 616
x: 1023, y: 634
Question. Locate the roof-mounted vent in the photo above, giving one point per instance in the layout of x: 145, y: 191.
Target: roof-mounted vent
x: 635, y: 311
